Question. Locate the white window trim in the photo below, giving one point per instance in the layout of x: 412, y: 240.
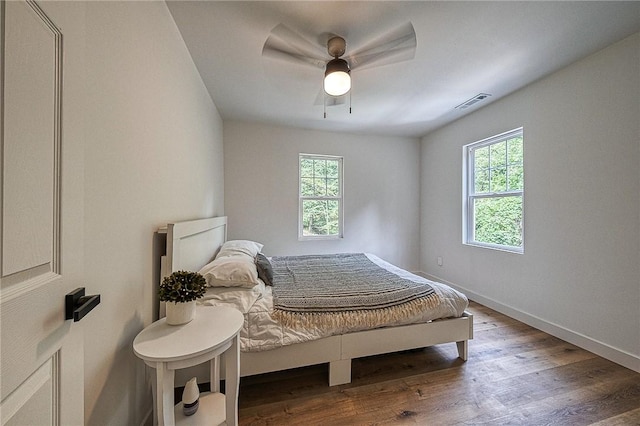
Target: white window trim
x: 468, y: 180
x: 340, y: 199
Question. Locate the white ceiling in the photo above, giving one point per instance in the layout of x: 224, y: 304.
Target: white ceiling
x: 463, y: 49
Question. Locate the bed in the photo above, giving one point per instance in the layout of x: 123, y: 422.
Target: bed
x: 190, y: 245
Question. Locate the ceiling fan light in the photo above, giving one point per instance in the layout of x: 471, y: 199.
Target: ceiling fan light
x: 337, y: 80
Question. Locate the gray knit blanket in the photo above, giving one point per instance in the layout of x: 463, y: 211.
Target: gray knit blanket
x: 341, y: 289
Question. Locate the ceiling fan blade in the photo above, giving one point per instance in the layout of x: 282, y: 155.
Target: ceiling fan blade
x: 284, y: 43
x: 396, y: 46
x: 384, y: 58
x: 274, y: 52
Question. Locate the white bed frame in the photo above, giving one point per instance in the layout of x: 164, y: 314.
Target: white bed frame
x: 192, y: 244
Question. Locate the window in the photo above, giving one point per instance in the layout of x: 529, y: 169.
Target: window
x: 320, y: 197
x: 493, y: 210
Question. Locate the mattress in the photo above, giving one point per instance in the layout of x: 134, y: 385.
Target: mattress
x: 261, y: 331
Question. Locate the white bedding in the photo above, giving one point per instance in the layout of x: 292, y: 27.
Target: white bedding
x: 261, y: 332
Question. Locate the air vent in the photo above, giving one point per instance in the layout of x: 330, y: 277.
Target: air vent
x: 477, y: 98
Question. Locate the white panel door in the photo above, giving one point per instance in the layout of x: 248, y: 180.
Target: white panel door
x: 42, y: 356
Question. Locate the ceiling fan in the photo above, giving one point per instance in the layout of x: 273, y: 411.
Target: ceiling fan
x: 397, y: 45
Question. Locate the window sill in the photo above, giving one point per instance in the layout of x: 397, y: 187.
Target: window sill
x: 320, y: 238
x: 508, y: 249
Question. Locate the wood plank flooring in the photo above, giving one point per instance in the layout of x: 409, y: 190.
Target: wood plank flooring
x: 515, y: 375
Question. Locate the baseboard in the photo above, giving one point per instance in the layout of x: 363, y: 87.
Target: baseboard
x: 604, y: 350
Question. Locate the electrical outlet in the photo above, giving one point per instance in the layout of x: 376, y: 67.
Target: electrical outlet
x: 439, y: 260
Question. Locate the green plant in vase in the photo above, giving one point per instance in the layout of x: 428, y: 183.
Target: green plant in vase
x: 180, y: 290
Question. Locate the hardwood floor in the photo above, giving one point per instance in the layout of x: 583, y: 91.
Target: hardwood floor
x: 515, y: 375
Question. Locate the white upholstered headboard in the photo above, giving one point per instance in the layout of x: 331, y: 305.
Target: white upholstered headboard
x: 191, y: 245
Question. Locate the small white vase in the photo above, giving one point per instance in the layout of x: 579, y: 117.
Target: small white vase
x: 180, y: 313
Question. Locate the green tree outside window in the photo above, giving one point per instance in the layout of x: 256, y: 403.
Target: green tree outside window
x: 495, y: 191
x: 320, y: 196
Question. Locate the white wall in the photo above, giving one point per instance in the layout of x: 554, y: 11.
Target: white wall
x: 579, y: 276
x: 381, y: 190
x: 153, y: 154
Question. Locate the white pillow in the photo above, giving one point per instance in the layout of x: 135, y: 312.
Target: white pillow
x: 231, y: 271
x: 240, y: 298
x: 239, y: 248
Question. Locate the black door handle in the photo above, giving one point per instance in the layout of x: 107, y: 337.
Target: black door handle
x: 77, y: 305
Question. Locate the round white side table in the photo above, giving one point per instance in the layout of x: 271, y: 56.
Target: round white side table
x: 166, y: 348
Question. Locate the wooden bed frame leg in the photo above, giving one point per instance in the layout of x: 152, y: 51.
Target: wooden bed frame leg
x: 463, y: 349
x: 339, y: 372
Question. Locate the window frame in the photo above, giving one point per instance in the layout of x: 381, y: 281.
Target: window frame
x: 469, y: 195
x: 339, y: 198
